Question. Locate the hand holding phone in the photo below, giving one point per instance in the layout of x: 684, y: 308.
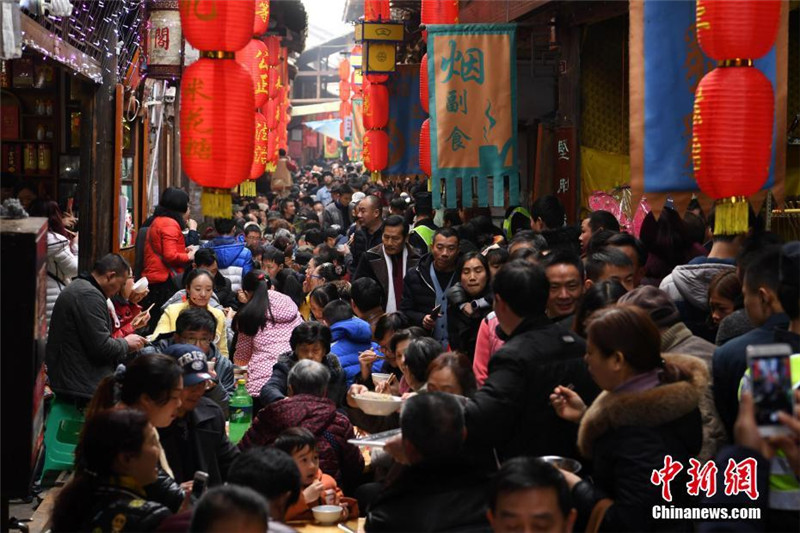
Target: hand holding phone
x: 771, y: 386
x: 199, y: 484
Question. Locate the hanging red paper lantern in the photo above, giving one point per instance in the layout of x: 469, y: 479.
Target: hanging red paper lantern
x: 744, y: 29
x: 260, y: 147
x: 273, y: 43
x: 344, y: 70
x: 425, y: 147
x: 344, y: 89
x: 261, y: 20
x: 423, y: 82
x: 345, y: 109
x: 377, y: 78
x: 252, y: 58
x: 272, y: 113
x: 217, y: 26
x: 376, y: 150
x: 272, y: 146
x: 732, y: 138
x: 273, y: 82
x: 376, y: 10
x: 217, y: 129
x: 438, y: 12
x: 376, y: 106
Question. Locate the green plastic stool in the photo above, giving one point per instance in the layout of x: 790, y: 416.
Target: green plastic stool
x: 61, y: 435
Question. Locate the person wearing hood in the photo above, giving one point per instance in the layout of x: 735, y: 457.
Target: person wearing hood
x: 309, y: 340
x: 688, y: 284
x: 649, y: 410
x: 164, y: 252
x: 265, y: 324
x: 469, y: 300
x: 309, y: 406
x: 351, y: 336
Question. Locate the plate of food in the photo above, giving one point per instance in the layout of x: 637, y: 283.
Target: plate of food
x: 377, y: 404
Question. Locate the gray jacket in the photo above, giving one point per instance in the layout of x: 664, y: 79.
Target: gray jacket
x: 679, y: 339
x: 80, y: 350
x: 689, y: 283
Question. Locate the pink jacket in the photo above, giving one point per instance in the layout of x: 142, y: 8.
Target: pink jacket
x: 485, y: 346
x: 260, y: 352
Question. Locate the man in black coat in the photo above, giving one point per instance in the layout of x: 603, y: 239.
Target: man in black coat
x: 370, y: 228
x: 512, y: 411
x: 196, y: 439
x: 80, y: 349
x: 388, y: 262
x: 440, y: 489
x: 420, y: 296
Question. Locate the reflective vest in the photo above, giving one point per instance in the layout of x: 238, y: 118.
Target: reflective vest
x: 425, y: 233
x: 784, y: 487
x: 507, y: 221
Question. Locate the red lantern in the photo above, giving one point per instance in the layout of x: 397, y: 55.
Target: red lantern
x: 376, y: 150
x: 253, y: 58
x: 344, y: 89
x: 217, y: 129
x: 345, y: 109
x: 376, y: 106
x: 341, y: 130
x: 438, y: 12
x: 425, y: 147
x: 272, y: 146
x: 217, y: 26
x: 261, y: 20
x: 423, y: 82
x: 273, y: 82
x: 732, y: 139
x: 744, y: 29
x: 344, y: 70
x: 273, y: 43
x: 272, y: 112
x: 376, y: 10
x: 260, y: 148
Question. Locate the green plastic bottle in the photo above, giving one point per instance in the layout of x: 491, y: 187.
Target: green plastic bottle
x: 241, y: 409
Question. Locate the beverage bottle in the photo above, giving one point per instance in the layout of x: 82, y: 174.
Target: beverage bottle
x: 241, y: 412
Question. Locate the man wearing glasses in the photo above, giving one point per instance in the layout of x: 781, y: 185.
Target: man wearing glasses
x: 197, y: 326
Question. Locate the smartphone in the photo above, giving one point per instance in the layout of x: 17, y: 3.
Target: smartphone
x: 199, y: 484
x: 436, y: 312
x: 771, y: 385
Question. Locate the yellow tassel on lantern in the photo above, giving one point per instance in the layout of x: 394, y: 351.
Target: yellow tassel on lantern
x: 271, y: 167
x: 247, y: 188
x: 731, y: 216
x: 217, y: 203
x: 375, y: 176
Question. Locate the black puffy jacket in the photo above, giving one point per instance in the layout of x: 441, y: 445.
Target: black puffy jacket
x: 116, y: 508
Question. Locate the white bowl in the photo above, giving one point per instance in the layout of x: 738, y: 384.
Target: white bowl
x: 374, y: 407
x: 327, y: 514
x: 141, y: 285
x: 378, y: 378
x: 564, y: 463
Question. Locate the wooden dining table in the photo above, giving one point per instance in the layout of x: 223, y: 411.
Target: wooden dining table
x: 311, y: 526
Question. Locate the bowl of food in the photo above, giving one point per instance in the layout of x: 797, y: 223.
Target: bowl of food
x: 327, y: 514
x: 141, y: 285
x: 564, y: 463
x: 376, y: 404
x: 378, y: 378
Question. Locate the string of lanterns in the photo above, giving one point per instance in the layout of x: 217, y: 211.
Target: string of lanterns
x: 733, y: 107
x: 217, y: 101
x: 376, y: 103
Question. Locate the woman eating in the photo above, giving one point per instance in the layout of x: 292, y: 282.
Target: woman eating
x: 648, y: 410
x: 199, y: 288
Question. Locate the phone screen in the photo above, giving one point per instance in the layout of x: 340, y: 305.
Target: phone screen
x: 772, y: 388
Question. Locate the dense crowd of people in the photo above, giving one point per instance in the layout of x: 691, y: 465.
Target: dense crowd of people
x: 508, y: 343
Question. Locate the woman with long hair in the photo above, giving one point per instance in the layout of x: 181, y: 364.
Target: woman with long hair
x: 599, y: 295
x: 264, y: 325
x: 62, y: 251
x: 152, y: 384
x: 320, y: 297
x: 649, y: 410
x: 116, y: 457
x: 469, y: 301
x: 199, y: 284
x: 164, y: 253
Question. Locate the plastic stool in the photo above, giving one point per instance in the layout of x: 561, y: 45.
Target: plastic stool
x: 61, y: 435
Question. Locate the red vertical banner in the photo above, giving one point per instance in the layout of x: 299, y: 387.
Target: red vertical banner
x: 566, y: 166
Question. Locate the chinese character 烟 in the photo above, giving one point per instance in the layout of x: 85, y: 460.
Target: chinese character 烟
x: 741, y: 477
x: 456, y: 139
x: 468, y: 68
x: 703, y: 478
x: 665, y: 476
x: 563, y: 150
x: 457, y: 102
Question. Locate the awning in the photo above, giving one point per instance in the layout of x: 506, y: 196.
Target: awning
x: 313, y: 109
x: 329, y: 128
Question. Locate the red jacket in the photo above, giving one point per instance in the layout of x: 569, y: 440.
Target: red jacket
x: 337, y: 458
x: 166, y: 236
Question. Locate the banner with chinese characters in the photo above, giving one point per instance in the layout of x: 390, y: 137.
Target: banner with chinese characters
x: 666, y: 65
x: 164, y: 40
x: 405, y: 119
x: 473, y: 106
x: 357, y: 139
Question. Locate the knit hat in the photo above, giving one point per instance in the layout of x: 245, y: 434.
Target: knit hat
x: 656, y: 302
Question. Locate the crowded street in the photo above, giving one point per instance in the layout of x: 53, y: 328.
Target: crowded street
x: 400, y: 265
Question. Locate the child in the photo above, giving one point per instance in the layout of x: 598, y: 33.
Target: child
x: 317, y: 488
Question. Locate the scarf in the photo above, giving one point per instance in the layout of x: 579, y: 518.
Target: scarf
x: 440, y: 328
x: 393, y: 299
